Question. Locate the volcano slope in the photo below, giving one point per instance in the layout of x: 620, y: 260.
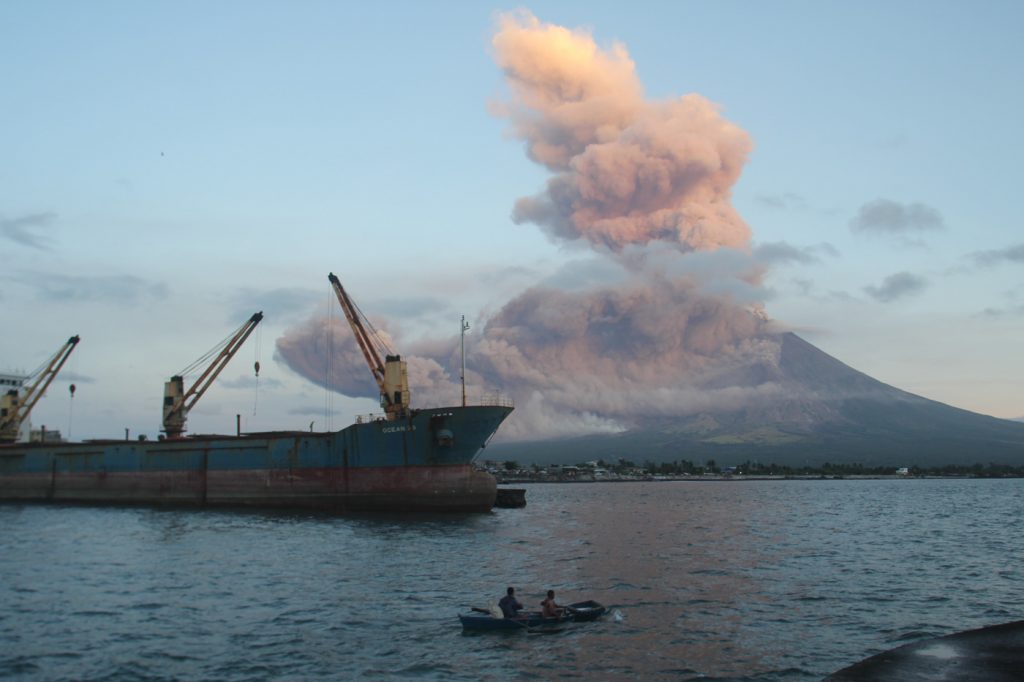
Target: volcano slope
x: 821, y: 411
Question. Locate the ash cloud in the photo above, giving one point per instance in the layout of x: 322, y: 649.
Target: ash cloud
x: 627, y: 170
x: 324, y: 351
x: 654, y: 346
x: 664, y: 318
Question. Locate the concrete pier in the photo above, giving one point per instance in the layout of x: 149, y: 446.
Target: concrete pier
x: 510, y: 498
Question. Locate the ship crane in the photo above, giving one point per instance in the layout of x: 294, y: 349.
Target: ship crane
x: 14, y: 408
x: 391, y: 375
x: 178, y: 402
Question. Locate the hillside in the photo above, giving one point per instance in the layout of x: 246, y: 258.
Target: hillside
x: 821, y: 410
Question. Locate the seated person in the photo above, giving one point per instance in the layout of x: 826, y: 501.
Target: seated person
x: 549, y: 609
x: 510, y: 606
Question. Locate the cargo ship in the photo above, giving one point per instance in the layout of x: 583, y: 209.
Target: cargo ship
x: 408, y: 460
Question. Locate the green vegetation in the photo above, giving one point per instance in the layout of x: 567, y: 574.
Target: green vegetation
x: 625, y: 470
x: 748, y: 468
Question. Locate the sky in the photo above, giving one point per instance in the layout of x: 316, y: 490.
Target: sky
x: 168, y: 169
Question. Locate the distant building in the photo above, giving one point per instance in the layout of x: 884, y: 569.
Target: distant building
x: 45, y: 435
x: 11, y: 381
x: 903, y: 471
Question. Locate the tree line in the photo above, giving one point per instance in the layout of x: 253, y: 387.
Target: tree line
x: 686, y: 467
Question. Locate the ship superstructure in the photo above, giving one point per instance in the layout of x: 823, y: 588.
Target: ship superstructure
x: 16, y: 402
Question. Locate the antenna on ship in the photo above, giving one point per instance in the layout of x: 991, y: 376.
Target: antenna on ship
x: 463, y: 328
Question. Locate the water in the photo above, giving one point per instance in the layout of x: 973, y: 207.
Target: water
x: 784, y: 580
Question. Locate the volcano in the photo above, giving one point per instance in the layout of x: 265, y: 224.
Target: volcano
x: 820, y: 411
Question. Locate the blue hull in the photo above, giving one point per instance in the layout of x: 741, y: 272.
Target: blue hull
x: 421, y: 463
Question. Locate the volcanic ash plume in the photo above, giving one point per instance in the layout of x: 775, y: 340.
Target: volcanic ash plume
x: 324, y: 351
x: 627, y: 171
x: 598, y: 359
x: 664, y: 320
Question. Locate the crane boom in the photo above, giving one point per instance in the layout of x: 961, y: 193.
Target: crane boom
x: 14, y: 409
x: 391, y: 375
x: 178, y: 402
x: 362, y: 337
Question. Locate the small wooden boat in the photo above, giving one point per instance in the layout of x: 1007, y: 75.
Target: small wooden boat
x: 485, y: 620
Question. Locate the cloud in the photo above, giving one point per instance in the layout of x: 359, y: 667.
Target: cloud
x: 25, y: 230
x: 1010, y: 254
x: 307, y: 410
x: 70, y: 376
x: 884, y: 216
x: 248, y: 382
x: 787, y: 201
x: 896, y: 286
x: 413, y: 307
x: 81, y: 288
x: 285, y: 304
x: 782, y: 253
x: 995, y: 313
x: 627, y: 170
x: 1013, y: 306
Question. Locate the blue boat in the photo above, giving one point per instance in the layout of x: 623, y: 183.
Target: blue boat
x: 421, y: 462
x: 484, y: 620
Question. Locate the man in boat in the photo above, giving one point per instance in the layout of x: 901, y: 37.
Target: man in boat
x: 510, y: 606
x: 549, y: 609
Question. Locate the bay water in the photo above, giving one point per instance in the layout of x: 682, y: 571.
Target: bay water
x: 723, y: 580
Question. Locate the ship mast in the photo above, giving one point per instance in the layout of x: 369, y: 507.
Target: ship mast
x: 178, y: 402
x: 391, y: 375
x: 14, y: 409
x: 463, y: 328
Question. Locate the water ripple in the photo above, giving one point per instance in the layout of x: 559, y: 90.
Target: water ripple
x: 730, y: 581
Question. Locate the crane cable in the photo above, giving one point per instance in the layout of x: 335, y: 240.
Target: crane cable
x: 71, y: 391
x: 256, y: 366
x: 374, y: 334
x: 329, y: 370
x: 212, y: 352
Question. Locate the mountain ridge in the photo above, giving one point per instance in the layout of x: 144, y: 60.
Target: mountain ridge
x: 815, y: 410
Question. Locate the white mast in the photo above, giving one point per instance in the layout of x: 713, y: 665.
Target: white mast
x: 463, y: 328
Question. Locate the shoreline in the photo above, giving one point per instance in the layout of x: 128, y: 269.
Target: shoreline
x: 512, y: 480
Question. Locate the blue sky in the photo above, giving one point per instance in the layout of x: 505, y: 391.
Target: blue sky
x: 167, y: 169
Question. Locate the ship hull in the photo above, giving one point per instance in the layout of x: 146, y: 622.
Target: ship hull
x: 420, y: 463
